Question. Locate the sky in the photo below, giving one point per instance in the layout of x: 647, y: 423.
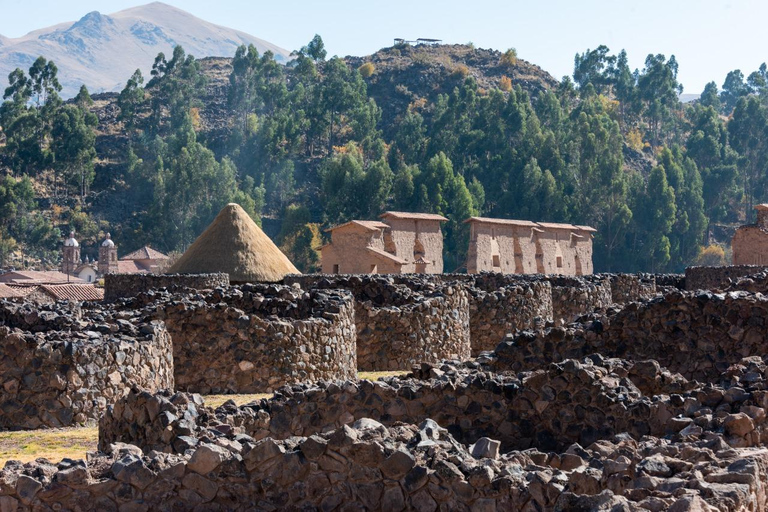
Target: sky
x: 708, y: 37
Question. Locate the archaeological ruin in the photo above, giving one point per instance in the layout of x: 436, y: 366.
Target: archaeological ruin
x: 601, y: 392
x: 402, y: 242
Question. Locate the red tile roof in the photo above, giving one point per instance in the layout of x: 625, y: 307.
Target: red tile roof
x: 510, y: 222
x: 145, y: 253
x: 37, y: 277
x: 130, y: 267
x: 74, y: 292
x: 371, y: 225
x: 414, y: 216
x: 10, y: 292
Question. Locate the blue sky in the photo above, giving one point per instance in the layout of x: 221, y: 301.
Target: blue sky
x: 708, y: 37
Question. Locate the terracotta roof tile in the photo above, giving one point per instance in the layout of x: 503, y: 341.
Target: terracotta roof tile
x: 10, y: 292
x: 38, y: 277
x: 414, y: 216
x: 510, y: 222
x: 556, y: 225
x: 130, y: 267
x: 371, y: 225
x: 74, y: 292
x: 145, y: 253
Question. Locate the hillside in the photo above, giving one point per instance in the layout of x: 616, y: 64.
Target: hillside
x: 102, y: 50
x: 405, y: 74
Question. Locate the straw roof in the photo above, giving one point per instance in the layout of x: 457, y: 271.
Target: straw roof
x: 234, y: 244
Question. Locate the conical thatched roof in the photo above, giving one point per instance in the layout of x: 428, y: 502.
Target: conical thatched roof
x: 234, y: 244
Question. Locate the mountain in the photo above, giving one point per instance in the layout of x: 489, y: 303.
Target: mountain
x: 102, y: 51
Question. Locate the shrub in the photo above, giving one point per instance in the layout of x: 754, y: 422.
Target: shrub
x: 505, y: 84
x: 460, y: 71
x: 367, y: 69
x: 509, y: 58
x: 711, y: 256
x: 634, y: 139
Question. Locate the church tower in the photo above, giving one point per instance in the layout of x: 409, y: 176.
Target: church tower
x: 70, y: 255
x: 107, y: 256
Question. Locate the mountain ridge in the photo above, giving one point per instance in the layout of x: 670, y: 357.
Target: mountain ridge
x: 85, y: 50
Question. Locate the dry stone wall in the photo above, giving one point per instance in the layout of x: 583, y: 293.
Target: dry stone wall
x: 255, y: 338
x: 717, y: 278
x: 627, y: 288
x: 51, y: 377
x: 117, y: 286
x: 401, y: 325
x: 575, y: 296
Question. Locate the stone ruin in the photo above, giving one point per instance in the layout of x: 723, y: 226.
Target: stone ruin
x: 655, y: 402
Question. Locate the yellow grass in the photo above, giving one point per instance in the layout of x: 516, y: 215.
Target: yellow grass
x: 74, y: 442
x: 52, y: 444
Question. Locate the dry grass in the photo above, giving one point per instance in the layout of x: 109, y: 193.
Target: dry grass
x: 53, y: 444
x: 73, y: 443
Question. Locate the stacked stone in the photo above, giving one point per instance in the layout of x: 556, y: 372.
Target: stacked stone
x: 497, y: 311
x: 118, y: 286
x: 400, y: 325
x: 626, y: 288
x: 576, y: 296
x: 52, y: 377
x: 717, y: 278
x: 755, y: 283
x: 256, y: 338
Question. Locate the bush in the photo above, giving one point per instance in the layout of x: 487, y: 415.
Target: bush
x: 711, y: 256
x: 367, y: 69
x: 509, y: 58
x: 460, y: 71
x: 505, y: 84
x: 634, y: 139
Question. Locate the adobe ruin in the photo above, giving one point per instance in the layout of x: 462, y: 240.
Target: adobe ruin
x: 750, y: 242
x: 403, y: 242
x: 524, y: 247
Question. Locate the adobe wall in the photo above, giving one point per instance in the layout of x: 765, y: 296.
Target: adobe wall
x: 716, y: 278
x: 404, y: 238
x: 349, y: 250
x: 255, y: 338
x: 750, y: 246
x: 117, y: 286
x: 512, y: 244
x: 54, y: 378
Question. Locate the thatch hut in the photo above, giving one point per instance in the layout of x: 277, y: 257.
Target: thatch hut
x: 236, y: 245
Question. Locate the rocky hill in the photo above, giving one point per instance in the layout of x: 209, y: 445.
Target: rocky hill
x: 405, y: 74
x: 102, y: 51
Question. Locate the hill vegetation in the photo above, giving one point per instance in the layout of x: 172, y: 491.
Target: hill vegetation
x: 453, y: 130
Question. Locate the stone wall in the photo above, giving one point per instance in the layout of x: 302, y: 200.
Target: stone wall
x: 698, y: 335
x: 576, y: 296
x: 400, y: 325
x: 496, y: 311
x: 55, y: 378
x: 627, y: 288
x: 716, y: 278
x: 255, y: 338
x: 117, y: 286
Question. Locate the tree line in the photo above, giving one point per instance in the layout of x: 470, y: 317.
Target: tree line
x: 609, y: 147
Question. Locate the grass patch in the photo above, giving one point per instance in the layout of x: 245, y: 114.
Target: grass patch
x: 52, y: 444
x: 379, y: 375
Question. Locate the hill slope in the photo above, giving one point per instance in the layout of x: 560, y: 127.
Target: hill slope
x: 102, y: 51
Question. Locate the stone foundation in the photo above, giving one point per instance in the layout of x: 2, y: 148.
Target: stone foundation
x: 118, y: 286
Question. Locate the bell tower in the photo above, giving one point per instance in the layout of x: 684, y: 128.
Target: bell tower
x: 70, y: 255
x: 107, y: 256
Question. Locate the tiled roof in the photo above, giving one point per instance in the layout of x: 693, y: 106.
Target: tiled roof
x: 371, y: 225
x: 387, y: 255
x: 9, y: 292
x: 587, y: 228
x: 38, y: 277
x: 130, y: 267
x: 556, y: 225
x: 510, y: 222
x: 74, y: 292
x: 145, y: 253
x: 414, y: 216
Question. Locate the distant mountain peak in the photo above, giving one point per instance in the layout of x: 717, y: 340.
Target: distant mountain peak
x: 102, y: 50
